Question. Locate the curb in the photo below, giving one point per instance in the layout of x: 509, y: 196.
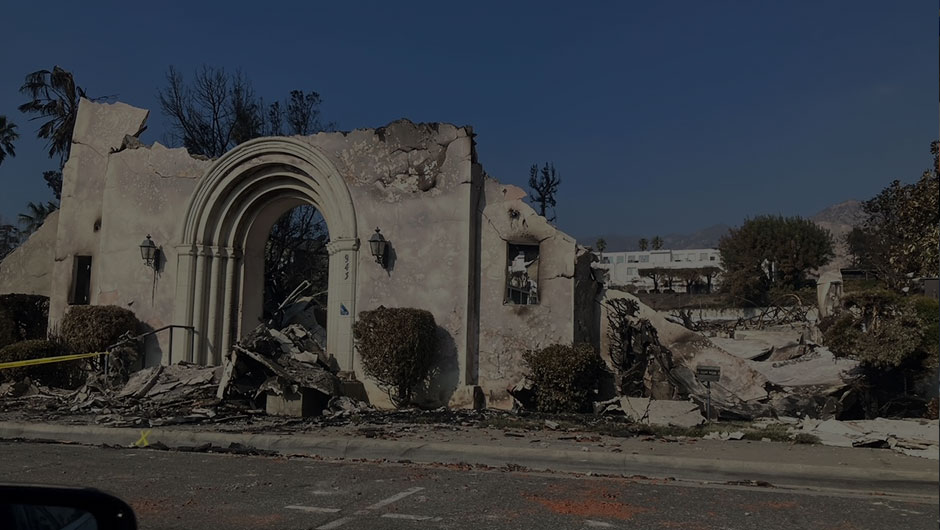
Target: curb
x: 882, y: 480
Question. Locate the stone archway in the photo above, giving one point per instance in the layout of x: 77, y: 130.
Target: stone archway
x: 218, y: 285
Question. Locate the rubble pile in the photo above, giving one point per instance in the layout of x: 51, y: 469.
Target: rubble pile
x: 911, y: 437
x: 768, y: 372
x: 775, y: 370
x: 288, y: 363
x: 160, y: 395
x: 649, y: 411
x: 268, y: 365
x: 772, y: 316
x: 772, y: 370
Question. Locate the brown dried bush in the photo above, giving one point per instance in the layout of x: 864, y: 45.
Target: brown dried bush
x: 93, y: 328
x: 67, y: 374
x: 397, y: 346
x: 22, y: 317
x: 565, y: 376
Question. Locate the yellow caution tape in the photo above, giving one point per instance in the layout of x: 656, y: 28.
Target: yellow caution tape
x: 47, y: 360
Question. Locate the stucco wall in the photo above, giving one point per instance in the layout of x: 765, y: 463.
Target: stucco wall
x: 146, y: 192
x: 447, y: 224
x: 507, y: 330
x: 28, y: 269
x: 99, y: 128
x: 413, y: 181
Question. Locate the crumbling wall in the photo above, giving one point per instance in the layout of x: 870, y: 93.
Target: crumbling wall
x: 587, y: 309
x: 447, y: 226
x: 507, y: 330
x: 28, y: 269
x: 99, y: 128
x: 146, y: 192
x: 415, y: 183
x: 741, y: 384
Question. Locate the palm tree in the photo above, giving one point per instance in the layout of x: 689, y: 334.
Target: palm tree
x: 37, y: 213
x: 54, y: 96
x: 643, y: 243
x: 601, y: 245
x: 7, y: 135
x: 657, y: 243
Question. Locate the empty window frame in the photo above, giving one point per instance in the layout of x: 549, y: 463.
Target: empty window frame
x: 80, y: 293
x: 522, y: 274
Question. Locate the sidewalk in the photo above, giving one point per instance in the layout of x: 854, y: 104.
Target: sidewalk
x: 780, y: 464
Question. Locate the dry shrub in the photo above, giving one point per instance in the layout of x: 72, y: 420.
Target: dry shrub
x: 565, y: 376
x: 22, y: 317
x: 93, y: 328
x: 397, y: 346
x: 67, y: 374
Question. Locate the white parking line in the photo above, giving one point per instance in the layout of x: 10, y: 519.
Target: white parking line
x: 335, y: 524
x: 597, y: 524
x: 312, y: 509
x: 410, y: 517
x: 381, y: 504
x: 394, y: 498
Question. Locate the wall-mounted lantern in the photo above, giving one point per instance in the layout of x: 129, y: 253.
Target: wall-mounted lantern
x: 149, y: 252
x: 379, y: 247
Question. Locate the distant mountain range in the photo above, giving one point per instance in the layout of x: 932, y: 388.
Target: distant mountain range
x: 838, y: 219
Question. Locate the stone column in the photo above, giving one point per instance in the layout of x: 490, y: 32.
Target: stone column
x: 213, y: 332
x: 228, y: 307
x: 341, y: 302
x: 183, y: 305
x: 199, y: 306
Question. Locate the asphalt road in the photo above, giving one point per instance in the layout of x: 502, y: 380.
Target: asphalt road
x: 170, y: 490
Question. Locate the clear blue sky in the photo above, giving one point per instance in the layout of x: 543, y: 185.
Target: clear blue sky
x: 660, y: 116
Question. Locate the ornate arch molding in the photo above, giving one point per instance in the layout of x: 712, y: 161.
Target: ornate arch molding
x: 226, y: 204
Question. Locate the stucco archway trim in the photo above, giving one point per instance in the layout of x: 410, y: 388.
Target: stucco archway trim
x: 221, y: 224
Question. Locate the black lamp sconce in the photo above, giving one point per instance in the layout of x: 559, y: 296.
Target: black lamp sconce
x: 149, y: 252
x: 379, y: 247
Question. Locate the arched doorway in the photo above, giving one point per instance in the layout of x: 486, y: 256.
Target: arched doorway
x: 219, y: 287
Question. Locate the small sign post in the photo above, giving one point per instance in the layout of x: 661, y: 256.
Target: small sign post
x: 708, y: 374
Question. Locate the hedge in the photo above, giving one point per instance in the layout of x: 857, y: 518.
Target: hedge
x: 22, y: 317
x: 93, y: 328
x: 397, y: 347
x: 68, y: 374
x: 565, y: 376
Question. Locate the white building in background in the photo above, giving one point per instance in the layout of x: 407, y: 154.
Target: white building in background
x: 624, y: 268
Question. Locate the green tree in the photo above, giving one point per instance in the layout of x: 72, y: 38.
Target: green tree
x: 544, y: 184
x: 657, y: 243
x: 898, y: 238
x: 601, y: 246
x: 53, y: 179
x: 690, y: 276
x: 769, y: 251
x: 8, y: 135
x: 657, y: 274
x: 34, y: 217
x: 54, y: 97
x: 643, y: 243
x: 895, y: 339
x: 9, y: 239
